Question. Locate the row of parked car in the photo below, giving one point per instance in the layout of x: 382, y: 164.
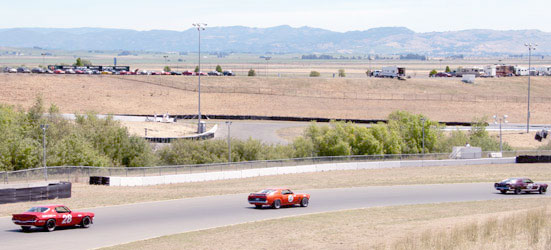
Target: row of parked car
x: 85, y: 71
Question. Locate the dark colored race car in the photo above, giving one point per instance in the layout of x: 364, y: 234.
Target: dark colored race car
x: 51, y: 216
x: 519, y: 185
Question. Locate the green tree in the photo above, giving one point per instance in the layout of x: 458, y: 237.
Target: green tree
x: 79, y: 63
x: 342, y: 73
x: 219, y: 68
x: 433, y: 72
x: 251, y: 72
x: 167, y: 69
x: 314, y: 74
x: 196, y: 69
x: 448, y: 69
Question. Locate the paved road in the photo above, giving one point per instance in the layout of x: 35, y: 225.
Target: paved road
x: 121, y: 224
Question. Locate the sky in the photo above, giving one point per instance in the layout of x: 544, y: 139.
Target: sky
x: 341, y: 16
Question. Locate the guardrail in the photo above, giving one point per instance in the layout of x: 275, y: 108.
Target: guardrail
x: 82, y: 173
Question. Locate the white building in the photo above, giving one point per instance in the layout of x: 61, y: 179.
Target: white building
x: 490, y: 71
x: 521, y: 71
x: 393, y: 71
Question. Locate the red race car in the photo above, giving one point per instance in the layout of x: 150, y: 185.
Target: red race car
x: 277, y: 197
x: 51, y: 216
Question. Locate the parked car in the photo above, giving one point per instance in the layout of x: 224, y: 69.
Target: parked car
x: 6, y: 69
x: 156, y: 73
x: 176, y: 73
x: 277, y: 197
x: 166, y: 73
x: 51, y: 216
x: 12, y: 70
x: 70, y: 71
x: 442, y: 74
x: 228, y: 73
x: 187, y: 73
x: 59, y: 71
x: 37, y: 71
x: 518, y: 185
x: 23, y: 70
x: 214, y: 73
x: 79, y: 72
x: 201, y: 73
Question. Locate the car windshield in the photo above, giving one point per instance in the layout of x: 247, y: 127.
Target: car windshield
x: 266, y: 191
x: 38, y: 209
x: 510, y: 180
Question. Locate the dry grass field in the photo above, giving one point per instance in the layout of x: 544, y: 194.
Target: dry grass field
x: 353, y: 98
x: 463, y: 225
x: 84, y: 196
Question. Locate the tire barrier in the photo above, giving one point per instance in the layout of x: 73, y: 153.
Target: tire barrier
x: 47, y: 191
x: 99, y: 180
x: 533, y: 159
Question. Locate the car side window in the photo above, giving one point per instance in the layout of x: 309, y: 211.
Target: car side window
x: 61, y: 209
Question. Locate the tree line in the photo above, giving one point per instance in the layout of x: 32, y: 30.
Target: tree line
x: 93, y: 141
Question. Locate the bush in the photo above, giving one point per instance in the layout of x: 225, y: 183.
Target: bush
x: 251, y: 72
x: 314, y: 74
x: 219, y: 68
x: 341, y: 73
x: 433, y: 72
x: 167, y: 69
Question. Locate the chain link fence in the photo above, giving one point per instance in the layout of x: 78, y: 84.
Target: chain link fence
x: 82, y: 173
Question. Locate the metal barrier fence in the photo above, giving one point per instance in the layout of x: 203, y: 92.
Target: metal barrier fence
x: 82, y: 173
x: 356, y: 95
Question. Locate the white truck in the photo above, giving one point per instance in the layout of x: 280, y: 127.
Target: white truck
x: 393, y: 71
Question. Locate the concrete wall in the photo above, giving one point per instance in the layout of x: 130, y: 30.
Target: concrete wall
x: 210, y: 176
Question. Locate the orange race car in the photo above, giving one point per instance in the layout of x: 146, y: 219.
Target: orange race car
x: 277, y: 197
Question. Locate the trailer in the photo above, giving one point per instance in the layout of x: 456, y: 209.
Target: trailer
x: 393, y: 71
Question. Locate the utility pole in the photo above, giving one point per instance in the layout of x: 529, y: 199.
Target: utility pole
x: 500, y: 120
x: 44, y: 127
x: 229, y: 141
x: 267, y: 58
x: 530, y: 48
x: 200, y: 127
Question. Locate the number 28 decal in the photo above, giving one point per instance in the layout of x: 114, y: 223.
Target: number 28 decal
x: 67, y: 218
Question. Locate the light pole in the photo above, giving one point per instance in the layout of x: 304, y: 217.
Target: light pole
x: 423, y: 120
x: 500, y: 120
x: 229, y: 141
x: 44, y: 127
x: 199, y: 26
x: 165, y: 62
x: 530, y: 48
x: 43, y: 60
x: 267, y: 59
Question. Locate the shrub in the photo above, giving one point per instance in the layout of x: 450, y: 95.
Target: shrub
x: 167, y: 69
x: 219, y: 68
x: 251, y: 72
x: 314, y: 74
x: 433, y: 72
x: 341, y: 73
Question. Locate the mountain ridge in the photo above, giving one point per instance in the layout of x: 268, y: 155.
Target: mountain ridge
x: 283, y: 39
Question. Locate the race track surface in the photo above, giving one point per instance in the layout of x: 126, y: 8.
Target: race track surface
x: 127, y: 223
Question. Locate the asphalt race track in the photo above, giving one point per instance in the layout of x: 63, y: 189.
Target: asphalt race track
x: 127, y: 223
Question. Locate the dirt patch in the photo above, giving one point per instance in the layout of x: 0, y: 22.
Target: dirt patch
x: 354, y: 98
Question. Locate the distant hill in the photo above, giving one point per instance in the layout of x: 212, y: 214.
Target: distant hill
x: 283, y: 39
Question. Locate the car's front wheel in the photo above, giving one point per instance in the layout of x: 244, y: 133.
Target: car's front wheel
x: 304, y: 202
x: 276, y: 204
x: 542, y: 190
x: 86, y: 222
x: 25, y: 228
x: 50, y: 225
x: 517, y: 190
